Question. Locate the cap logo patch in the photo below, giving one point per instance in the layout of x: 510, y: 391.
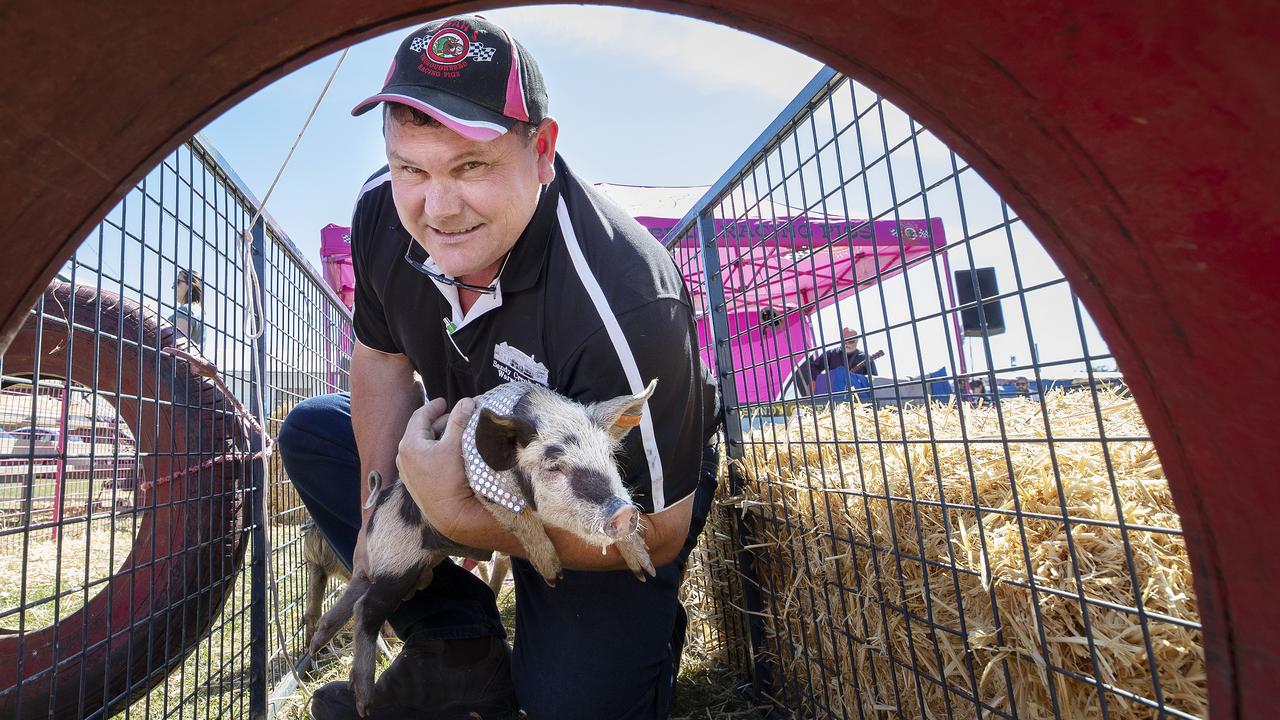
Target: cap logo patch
x: 449, y: 46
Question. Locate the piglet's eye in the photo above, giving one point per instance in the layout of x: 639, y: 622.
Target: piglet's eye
x: 556, y: 467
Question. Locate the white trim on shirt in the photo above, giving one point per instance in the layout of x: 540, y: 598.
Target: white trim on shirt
x: 621, y: 347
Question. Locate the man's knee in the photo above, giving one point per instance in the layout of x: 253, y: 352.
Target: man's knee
x: 316, y: 439
x: 314, y: 419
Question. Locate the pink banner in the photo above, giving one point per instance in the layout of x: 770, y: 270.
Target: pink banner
x: 335, y: 240
x: 803, y: 232
x: 340, y: 275
x: 335, y: 253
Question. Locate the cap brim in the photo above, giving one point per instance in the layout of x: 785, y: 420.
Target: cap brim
x: 461, y: 116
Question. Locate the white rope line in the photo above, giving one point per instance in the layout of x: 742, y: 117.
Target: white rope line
x: 255, y: 327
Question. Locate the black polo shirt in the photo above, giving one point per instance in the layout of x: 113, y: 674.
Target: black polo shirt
x: 589, y: 304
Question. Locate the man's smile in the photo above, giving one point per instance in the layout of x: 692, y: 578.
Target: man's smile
x: 453, y: 235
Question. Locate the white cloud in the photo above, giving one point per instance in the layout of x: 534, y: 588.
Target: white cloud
x: 717, y: 57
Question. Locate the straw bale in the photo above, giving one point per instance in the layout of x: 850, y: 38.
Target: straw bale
x: 896, y: 560
x: 284, y: 505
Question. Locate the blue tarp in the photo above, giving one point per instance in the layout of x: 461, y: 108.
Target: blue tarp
x: 839, y: 380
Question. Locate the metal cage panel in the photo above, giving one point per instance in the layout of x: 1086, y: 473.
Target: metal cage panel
x: 968, y: 519
x: 131, y: 502
x: 934, y: 538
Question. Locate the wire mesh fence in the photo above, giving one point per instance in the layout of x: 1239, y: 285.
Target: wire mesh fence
x: 940, y: 499
x: 944, y: 501
x: 131, y: 513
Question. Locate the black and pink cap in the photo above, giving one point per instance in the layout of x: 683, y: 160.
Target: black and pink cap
x: 469, y: 74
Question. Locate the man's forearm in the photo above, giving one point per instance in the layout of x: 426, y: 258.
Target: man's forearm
x: 474, y: 526
x: 383, y: 396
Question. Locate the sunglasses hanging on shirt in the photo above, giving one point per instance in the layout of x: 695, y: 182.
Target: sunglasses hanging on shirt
x: 490, y: 289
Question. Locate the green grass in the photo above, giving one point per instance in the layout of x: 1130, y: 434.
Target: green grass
x: 213, y: 681
x: 60, y: 568
x: 13, y: 488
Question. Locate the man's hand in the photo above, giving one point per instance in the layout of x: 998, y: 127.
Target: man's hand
x: 431, y: 469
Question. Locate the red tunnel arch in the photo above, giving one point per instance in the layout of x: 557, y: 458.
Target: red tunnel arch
x: 1135, y: 139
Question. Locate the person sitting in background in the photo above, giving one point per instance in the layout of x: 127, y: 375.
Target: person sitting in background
x: 188, y: 315
x: 846, y: 356
x: 977, y: 389
x: 1022, y: 386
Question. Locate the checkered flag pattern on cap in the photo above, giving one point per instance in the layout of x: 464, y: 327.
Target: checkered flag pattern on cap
x: 480, y: 53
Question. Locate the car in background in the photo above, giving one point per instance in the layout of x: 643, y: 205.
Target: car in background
x: 43, y: 443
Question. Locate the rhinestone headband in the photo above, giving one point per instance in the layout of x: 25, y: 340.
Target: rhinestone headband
x: 496, y: 486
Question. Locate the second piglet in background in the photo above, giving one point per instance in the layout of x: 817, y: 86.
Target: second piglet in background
x: 533, y: 458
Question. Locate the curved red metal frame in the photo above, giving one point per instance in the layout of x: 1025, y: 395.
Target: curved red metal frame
x: 1135, y: 139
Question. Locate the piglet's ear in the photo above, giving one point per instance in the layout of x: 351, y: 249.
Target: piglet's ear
x: 498, y: 438
x: 619, y: 415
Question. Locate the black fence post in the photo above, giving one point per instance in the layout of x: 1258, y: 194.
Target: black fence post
x: 258, y: 566
x: 761, y: 677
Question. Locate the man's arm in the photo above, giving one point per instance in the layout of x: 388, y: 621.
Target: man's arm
x: 810, y: 367
x: 432, y: 472
x: 383, y: 397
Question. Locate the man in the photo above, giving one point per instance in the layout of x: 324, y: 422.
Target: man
x: 1022, y: 386
x: 480, y: 259
x: 846, y: 356
x: 188, y: 292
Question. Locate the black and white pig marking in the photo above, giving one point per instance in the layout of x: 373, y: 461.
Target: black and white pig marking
x: 545, y: 460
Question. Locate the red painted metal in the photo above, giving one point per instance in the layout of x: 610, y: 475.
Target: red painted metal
x: 1136, y: 139
x: 146, y: 614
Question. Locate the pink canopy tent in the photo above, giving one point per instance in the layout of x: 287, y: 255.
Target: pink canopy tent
x: 788, y: 269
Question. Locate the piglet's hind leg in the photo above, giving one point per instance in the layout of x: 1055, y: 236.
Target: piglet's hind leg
x: 382, y: 599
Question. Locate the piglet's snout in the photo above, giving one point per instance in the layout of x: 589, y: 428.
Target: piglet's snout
x: 623, y: 518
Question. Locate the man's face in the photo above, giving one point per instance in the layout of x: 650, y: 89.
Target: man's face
x: 850, y: 343
x: 465, y: 201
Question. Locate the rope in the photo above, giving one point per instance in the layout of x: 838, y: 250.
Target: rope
x: 255, y: 326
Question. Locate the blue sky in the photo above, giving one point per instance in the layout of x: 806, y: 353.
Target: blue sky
x: 641, y: 97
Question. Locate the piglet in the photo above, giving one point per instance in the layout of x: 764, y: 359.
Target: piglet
x: 533, y: 458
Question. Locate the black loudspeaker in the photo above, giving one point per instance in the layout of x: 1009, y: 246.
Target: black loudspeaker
x: 984, y: 281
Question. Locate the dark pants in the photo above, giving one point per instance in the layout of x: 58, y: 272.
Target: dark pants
x: 599, y: 645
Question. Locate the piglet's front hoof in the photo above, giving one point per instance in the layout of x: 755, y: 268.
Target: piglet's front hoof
x: 318, y: 642
x: 645, y: 571
x: 549, y: 568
